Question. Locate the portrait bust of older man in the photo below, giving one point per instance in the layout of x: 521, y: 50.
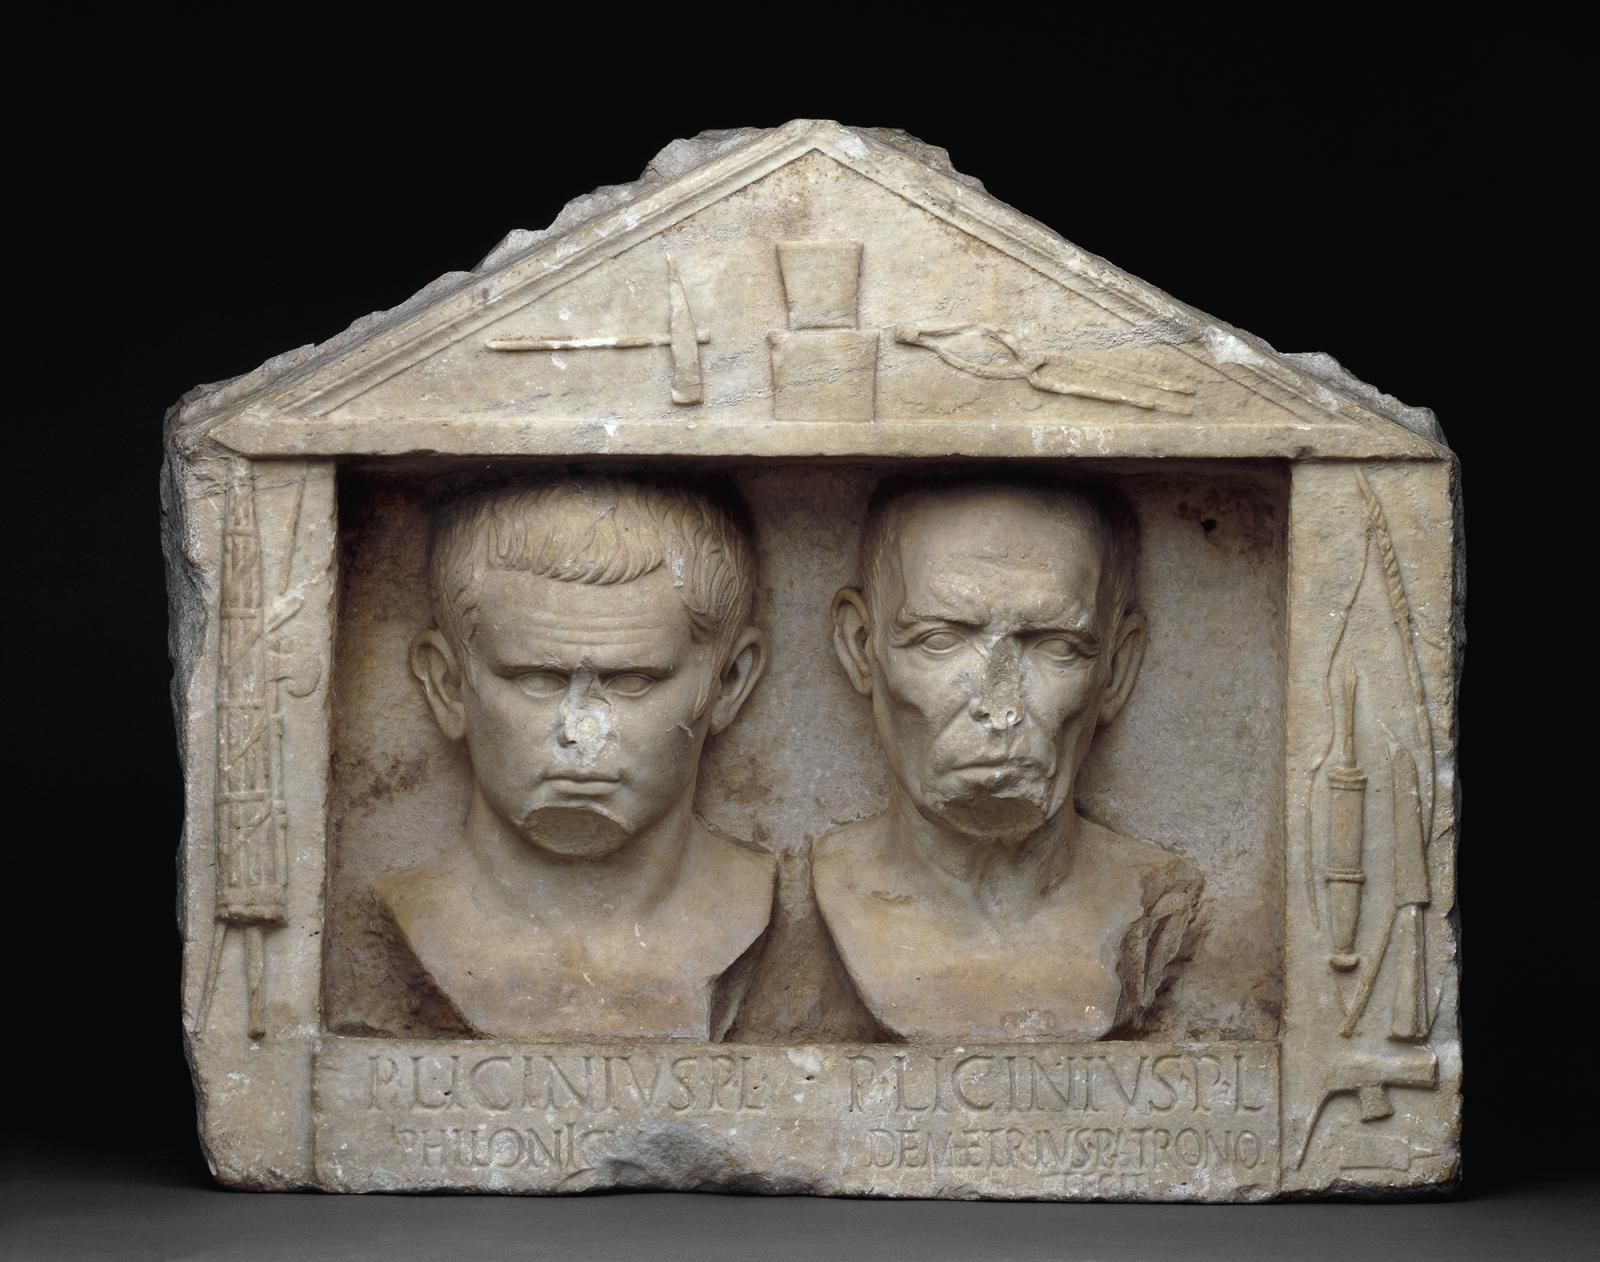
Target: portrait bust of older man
x: 589, y: 635
x: 994, y: 634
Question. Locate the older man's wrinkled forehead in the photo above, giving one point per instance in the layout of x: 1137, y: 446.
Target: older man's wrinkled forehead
x: 971, y: 554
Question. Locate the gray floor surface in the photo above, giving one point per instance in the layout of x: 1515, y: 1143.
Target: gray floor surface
x: 154, y: 1208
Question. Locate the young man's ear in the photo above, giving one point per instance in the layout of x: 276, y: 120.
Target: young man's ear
x: 745, y: 664
x: 852, y: 625
x: 1127, y: 655
x: 434, y: 662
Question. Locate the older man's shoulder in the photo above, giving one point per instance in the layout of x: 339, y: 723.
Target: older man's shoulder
x: 850, y: 855
x: 1159, y: 893
x: 1157, y: 869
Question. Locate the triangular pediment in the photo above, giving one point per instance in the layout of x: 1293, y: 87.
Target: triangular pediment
x: 815, y: 289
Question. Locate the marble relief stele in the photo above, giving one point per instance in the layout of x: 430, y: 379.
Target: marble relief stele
x: 797, y: 678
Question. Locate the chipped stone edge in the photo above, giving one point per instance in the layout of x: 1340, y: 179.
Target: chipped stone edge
x: 189, y: 592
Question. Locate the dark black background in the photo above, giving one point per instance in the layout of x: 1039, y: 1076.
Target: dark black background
x: 1399, y: 206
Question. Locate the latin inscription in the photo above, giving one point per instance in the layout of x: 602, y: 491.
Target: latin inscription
x: 1089, y: 1120
x: 1065, y: 1148
x: 1118, y: 1122
x: 540, y: 1080
x: 1053, y: 1082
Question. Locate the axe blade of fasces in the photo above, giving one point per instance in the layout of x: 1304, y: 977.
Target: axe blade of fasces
x: 1369, y: 1078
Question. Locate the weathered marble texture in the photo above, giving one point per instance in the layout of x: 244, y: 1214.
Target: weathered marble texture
x: 803, y: 312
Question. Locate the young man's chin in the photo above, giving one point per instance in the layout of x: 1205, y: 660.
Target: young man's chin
x: 574, y: 832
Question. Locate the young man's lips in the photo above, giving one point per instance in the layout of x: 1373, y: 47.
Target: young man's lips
x: 581, y: 782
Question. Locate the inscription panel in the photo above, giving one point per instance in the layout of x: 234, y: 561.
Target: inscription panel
x: 1058, y: 1120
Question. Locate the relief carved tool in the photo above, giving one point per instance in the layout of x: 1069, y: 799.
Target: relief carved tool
x: 985, y: 350
x: 824, y: 366
x: 1369, y: 1078
x: 687, y: 385
x: 1379, y: 1152
x: 1406, y: 630
x: 251, y: 846
x: 1411, y: 873
x: 1347, y: 790
x: 1409, y: 1020
x: 684, y: 339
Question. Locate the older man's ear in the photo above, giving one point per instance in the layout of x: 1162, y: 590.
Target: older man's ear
x: 435, y: 664
x: 1127, y: 655
x: 852, y: 626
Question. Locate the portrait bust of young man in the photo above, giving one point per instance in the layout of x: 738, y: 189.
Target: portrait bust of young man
x: 995, y: 633
x: 589, y: 635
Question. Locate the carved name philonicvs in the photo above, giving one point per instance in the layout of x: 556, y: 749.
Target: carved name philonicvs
x: 1073, y: 1120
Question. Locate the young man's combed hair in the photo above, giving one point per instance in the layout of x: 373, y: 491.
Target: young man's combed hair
x: 625, y: 530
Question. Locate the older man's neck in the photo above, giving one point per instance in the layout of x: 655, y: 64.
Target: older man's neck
x: 1004, y: 879
x: 628, y: 882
